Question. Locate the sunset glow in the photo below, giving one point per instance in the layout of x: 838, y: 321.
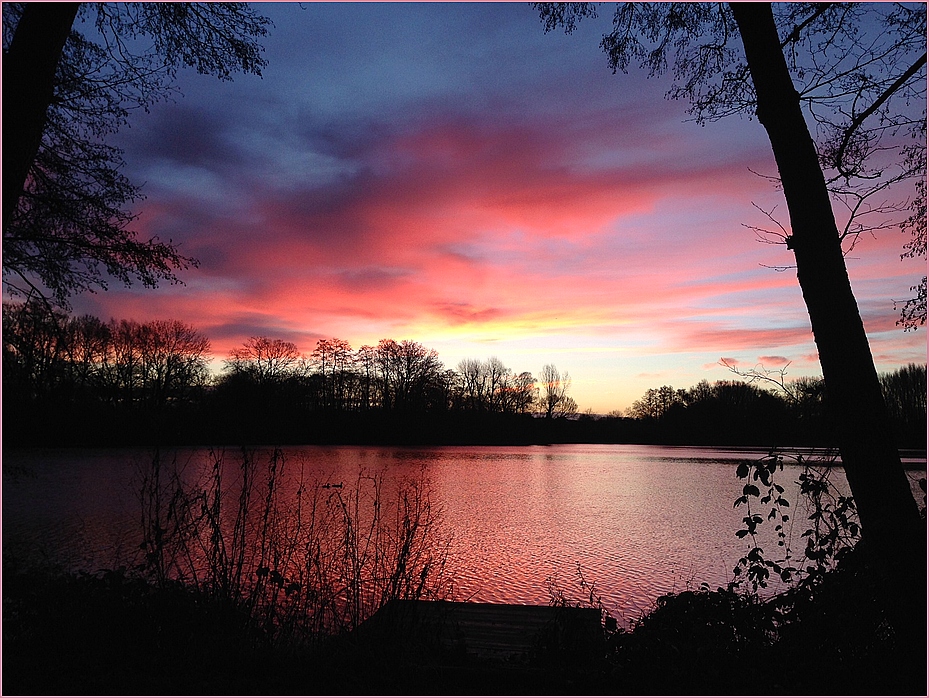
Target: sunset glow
x: 450, y: 174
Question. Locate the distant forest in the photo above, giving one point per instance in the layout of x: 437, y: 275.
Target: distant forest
x: 79, y: 381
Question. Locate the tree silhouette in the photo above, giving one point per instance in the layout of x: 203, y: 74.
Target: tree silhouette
x: 266, y: 361
x: 554, y: 400
x: 656, y: 403
x: 905, y: 395
x: 872, y: 464
x: 913, y: 313
x: 65, y: 216
x: 149, y: 365
x: 855, y: 69
x: 333, y: 362
x: 172, y: 360
x: 521, y: 393
x: 407, y: 372
x: 473, y: 384
x: 32, y: 349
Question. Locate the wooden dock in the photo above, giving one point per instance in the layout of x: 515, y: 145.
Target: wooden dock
x: 485, y: 631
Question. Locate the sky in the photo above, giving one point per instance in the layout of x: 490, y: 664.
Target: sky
x: 451, y: 174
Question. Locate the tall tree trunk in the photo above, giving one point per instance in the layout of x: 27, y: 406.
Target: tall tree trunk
x: 28, y: 88
x: 890, y: 519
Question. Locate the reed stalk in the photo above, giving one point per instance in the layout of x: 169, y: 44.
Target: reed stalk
x: 299, y: 560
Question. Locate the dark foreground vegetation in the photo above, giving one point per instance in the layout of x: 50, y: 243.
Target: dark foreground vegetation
x: 79, y: 381
x: 111, y: 634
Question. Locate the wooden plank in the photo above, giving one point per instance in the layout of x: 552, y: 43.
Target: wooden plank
x: 487, y: 631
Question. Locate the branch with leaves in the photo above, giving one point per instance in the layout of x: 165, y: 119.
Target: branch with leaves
x: 66, y: 206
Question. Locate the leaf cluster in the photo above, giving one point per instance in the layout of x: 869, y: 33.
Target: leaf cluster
x: 754, y: 565
x: 833, y: 528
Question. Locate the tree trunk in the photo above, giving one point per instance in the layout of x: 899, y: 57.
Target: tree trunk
x: 28, y: 88
x: 889, y: 516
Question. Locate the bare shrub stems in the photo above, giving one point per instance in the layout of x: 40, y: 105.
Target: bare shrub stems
x: 301, y: 560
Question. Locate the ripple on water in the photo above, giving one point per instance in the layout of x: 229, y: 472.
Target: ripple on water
x: 638, y: 521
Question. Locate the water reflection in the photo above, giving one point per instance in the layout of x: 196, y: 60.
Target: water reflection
x: 639, y: 521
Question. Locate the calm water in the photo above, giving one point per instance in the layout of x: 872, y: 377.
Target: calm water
x: 640, y: 521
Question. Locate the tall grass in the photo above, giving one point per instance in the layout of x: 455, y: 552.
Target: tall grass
x: 295, y: 559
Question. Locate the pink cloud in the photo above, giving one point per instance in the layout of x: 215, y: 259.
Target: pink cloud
x: 707, y: 336
x: 508, y: 230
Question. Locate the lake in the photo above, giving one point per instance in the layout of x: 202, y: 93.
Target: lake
x: 638, y: 521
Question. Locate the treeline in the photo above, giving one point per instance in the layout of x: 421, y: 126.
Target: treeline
x: 82, y: 380
x: 791, y: 411
x: 79, y: 380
